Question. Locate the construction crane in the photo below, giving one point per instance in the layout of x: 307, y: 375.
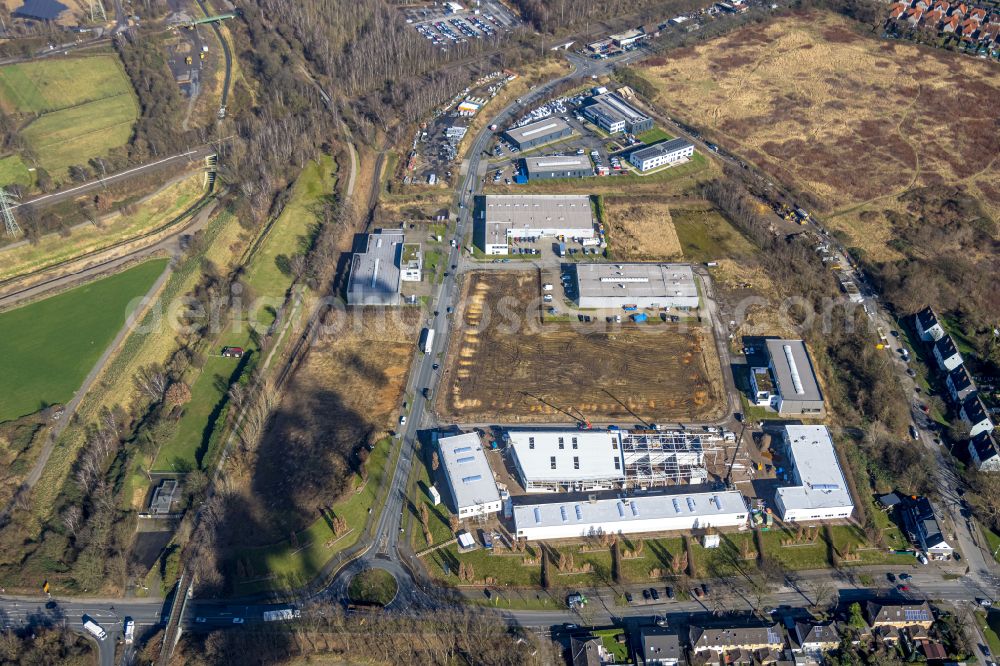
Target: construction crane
x: 739, y: 441
x: 584, y: 422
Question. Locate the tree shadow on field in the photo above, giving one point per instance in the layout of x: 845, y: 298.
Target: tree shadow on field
x: 368, y: 370
x: 308, y: 456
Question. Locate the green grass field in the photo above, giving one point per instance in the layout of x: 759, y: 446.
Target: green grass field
x: 76, y: 134
x: 41, y: 86
x: 707, y: 236
x: 653, y: 135
x: 49, y: 346
x: 187, y: 447
x: 14, y: 172
x: 84, y: 108
x: 292, y: 230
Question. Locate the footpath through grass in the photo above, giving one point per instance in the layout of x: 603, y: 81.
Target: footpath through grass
x: 285, y: 564
x: 49, y: 346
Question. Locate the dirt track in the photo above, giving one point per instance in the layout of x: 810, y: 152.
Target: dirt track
x: 503, y: 370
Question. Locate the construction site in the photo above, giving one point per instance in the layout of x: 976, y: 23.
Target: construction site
x: 505, y: 366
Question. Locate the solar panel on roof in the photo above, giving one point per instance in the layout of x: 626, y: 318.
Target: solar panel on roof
x: 463, y: 449
x: 916, y: 615
x: 772, y: 636
x: 677, y: 506
x: 562, y: 512
x: 635, y: 509
x: 466, y: 459
x: 690, y: 504
x: 538, y: 516
x: 472, y: 479
x: 621, y: 509
x: 579, y: 512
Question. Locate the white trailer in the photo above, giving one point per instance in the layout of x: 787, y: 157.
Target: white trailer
x: 95, y: 629
x: 281, y: 614
x: 129, y: 631
x: 428, y: 343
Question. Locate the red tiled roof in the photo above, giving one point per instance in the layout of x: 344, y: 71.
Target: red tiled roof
x: 951, y: 22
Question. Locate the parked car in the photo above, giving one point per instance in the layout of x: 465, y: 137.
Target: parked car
x: 704, y: 588
x: 891, y: 577
x: 654, y: 594
x: 628, y: 597
x: 645, y: 595
x: 670, y: 592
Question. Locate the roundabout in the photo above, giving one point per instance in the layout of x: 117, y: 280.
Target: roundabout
x: 372, y: 587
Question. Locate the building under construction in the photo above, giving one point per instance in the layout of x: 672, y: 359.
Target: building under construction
x: 586, y: 460
x: 666, y: 457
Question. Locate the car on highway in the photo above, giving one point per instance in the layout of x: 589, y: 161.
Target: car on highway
x: 986, y: 603
x: 435, y: 366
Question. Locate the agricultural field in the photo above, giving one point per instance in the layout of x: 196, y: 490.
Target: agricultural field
x: 148, y: 214
x: 847, y: 119
x: 502, y: 363
x: 75, y: 108
x: 50, y: 345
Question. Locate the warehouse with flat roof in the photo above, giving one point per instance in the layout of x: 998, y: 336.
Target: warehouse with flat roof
x: 795, y: 387
x: 629, y: 515
x: 613, y: 114
x: 375, y: 274
x: 661, y: 154
x: 549, y: 460
x: 500, y: 217
x: 643, y: 285
x: 573, y: 166
x: 819, y: 490
x: 538, y: 133
x: 469, y: 477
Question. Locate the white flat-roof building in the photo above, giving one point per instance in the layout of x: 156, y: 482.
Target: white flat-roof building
x: 470, y: 479
x: 549, y: 461
x: 613, y: 114
x: 375, y: 273
x: 502, y: 217
x: 820, y: 491
x: 642, y: 285
x: 660, y: 154
x: 634, y: 515
x: 584, y: 460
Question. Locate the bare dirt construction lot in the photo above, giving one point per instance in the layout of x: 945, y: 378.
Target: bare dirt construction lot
x: 346, y: 394
x: 848, y: 119
x: 640, y: 229
x: 506, y: 367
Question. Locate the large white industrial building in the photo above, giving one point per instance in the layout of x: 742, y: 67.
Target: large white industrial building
x: 820, y: 490
x: 633, y: 515
x: 499, y: 218
x: 584, y: 460
x: 642, y: 285
x: 470, y: 479
x: 375, y: 273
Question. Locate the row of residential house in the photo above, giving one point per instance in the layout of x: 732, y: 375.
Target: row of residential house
x: 800, y: 642
x: 971, y: 23
x: 983, y: 451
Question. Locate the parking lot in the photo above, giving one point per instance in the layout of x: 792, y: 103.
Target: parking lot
x: 444, y: 27
x: 607, y: 154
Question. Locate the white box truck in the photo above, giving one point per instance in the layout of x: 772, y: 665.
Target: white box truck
x: 129, y: 631
x: 428, y: 340
x: 95, y: 629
